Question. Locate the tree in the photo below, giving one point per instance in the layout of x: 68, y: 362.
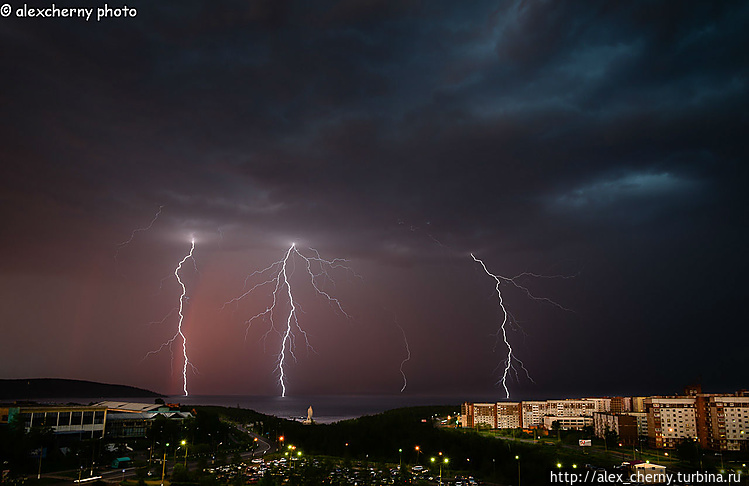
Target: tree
x: 689, y: 451
x: 180, y: 474
x: 611, y: 437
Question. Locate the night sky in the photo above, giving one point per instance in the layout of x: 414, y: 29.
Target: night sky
x: 605, y: 141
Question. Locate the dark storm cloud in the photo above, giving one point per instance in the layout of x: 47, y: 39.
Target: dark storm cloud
x: 606, y: 135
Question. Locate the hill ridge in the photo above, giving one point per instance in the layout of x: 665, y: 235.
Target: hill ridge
x: 26, y: 388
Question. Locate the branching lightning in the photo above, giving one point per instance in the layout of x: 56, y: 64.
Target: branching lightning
x: 408, y: 357
x: 279, y: 276
x: 510, y: 361
x: 179, y: 334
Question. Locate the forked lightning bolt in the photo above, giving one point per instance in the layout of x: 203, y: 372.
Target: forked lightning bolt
x: 406, y: 359
x: 280, y: 277
x: 179, y: 334
x: 509, y: 362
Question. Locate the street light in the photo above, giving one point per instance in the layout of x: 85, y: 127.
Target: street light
x: 517, y: 458
x: 444, y: 461
x: 163, y: 465
x: 184, y: 443
x: 400, y: 458
x: 41, y: 452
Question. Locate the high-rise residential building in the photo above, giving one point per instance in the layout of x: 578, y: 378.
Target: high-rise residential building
x: 621, y: 404
x: 723, y: 421
x: 671, y: 420
x: 584, y: 407
x: 479, y: 415
x: 509, y: 415
x: 638, y: 404
x: 719, y: 421
x: 601, y: 404
x: 533, y: 412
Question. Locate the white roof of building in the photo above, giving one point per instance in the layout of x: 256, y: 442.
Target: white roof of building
x: 129, y: 406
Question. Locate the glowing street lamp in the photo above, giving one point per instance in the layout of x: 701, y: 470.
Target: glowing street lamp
x: 163, y: 465
x: 445, y: 461
x: 184, y: 444
x: 517, y: 458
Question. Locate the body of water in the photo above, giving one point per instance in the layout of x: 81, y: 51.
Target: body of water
x: 326, y: 408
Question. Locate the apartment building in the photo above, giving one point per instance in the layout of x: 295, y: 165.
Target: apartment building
x: 584, y: 407
x: 621, y: 404
x: 479, y: 415
x: 638, y: 404
x: 532, y: 413
x: 509, y: 415
x: 671, y: 420
x: 719, y: 421
x: 600, y: 404
x: 723, y: 421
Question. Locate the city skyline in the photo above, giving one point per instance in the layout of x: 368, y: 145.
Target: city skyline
x: 599, y: 143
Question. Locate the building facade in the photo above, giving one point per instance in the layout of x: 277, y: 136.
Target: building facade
x: 86, y: 422
x: 621, y: 404
x: 509, y: 415
x: 671, y: 420
x: 720, y: 422
x: 723, y: 422
x: 584, y: 407
x: 625, y: 427
x: 532, y: 413
x: 567, y: 423
x: 479, y: 415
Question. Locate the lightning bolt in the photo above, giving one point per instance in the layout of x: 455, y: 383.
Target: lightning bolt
x: 509, y: 362
x: 279, y: 276
x: 179, y: 334
x: 136, y: 231
x: 408, y: 357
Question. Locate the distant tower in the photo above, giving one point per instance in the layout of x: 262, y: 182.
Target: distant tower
x: 309, y: 416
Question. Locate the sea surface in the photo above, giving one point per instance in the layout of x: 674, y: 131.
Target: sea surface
x: 326, y: 408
